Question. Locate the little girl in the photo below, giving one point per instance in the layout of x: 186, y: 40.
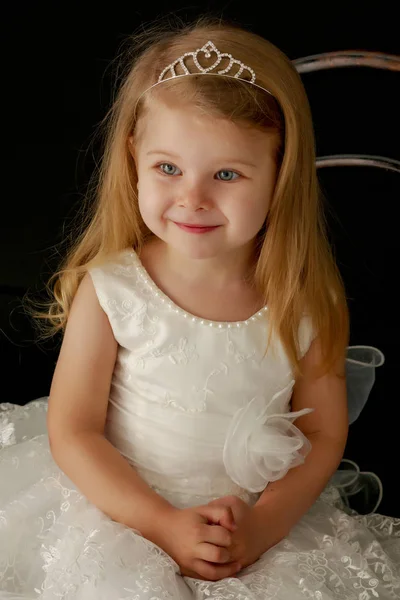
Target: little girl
x: 202, y: 315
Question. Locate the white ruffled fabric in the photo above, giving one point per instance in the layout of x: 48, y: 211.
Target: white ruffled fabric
x: 262, y: 444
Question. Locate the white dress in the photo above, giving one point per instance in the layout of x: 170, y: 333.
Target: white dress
x: 200, y: 411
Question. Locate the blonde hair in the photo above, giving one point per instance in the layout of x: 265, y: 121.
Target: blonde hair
x: 295, y: 269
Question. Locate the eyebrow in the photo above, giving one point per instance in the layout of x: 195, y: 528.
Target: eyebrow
x: 227, y: 161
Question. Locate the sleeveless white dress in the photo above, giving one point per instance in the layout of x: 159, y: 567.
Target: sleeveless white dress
x: 200, y: 411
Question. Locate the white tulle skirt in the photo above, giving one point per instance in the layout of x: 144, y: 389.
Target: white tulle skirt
x: 55, y: 544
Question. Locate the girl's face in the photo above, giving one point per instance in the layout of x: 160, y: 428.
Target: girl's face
x: 204, y: 184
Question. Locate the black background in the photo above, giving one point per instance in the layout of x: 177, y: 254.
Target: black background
x: 56, y: 87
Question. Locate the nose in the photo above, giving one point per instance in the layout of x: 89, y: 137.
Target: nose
x: 194, y: 197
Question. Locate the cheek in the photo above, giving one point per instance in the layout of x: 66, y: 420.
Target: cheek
x: 248, y: 219
x: 250, y: 212
x: 261, y: 201
x: 263, y: 210
x: 253, y: 221
x: 152, y: 200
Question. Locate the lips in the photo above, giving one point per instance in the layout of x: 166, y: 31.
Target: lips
x: 196, y: 228
x: 199, y: 225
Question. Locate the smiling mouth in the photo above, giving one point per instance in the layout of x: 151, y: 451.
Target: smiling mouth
x: 196, y: 228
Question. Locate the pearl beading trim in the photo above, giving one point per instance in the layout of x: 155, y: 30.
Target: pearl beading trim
x: 145, y: 277
x: 207, y: 49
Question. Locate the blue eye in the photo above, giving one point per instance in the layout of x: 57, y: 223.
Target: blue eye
x: 227, y: 175
x: 168, y: 169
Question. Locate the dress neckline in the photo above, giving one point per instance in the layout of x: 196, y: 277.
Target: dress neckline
x: 144, y: 275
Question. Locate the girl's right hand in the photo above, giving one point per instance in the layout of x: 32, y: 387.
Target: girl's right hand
x: 197, y: 539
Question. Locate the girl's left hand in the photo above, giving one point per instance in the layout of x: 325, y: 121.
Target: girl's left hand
x: 249, y: 540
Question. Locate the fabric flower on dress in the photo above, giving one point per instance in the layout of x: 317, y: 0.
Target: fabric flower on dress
x: 262, y: 443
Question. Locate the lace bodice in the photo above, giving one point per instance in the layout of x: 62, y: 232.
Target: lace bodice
x: 192, y: 401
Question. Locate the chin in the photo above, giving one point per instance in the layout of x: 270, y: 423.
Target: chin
x: 194, y: 247
x: 195, y: 253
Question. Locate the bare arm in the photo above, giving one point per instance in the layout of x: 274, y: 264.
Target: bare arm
x: 76, y: 417
x: 285, y: 501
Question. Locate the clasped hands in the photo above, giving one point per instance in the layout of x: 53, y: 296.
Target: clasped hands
x: 215, y: 540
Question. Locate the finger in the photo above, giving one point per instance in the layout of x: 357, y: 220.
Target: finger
x: 213, y: 554
x: 212, y: 572
x: 237, y: 506
x: 227, y: 518
x: 219, y: 515
x: 215, y: 534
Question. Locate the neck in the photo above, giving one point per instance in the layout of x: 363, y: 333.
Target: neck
x: 229, y: 269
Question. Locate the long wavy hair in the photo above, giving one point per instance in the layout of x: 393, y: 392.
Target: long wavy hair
x: 295, y: 270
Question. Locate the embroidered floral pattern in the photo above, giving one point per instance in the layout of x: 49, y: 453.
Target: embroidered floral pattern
x: 178, y: 354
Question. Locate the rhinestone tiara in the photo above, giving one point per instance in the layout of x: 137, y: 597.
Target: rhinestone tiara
x: 170, y: 73
x: 207, y: 49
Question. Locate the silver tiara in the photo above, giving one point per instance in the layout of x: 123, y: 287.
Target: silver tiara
x: 170, y: 73
x: 207, y: 49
